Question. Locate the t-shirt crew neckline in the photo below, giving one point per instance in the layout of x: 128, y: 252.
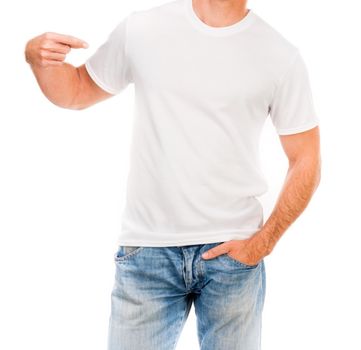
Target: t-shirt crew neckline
x: 217, y: 31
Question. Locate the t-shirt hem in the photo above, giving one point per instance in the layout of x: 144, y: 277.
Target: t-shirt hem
x: 97, y: 80
x: 237, y: 235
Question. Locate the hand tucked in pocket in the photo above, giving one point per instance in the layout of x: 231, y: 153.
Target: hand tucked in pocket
x: 248, y: 251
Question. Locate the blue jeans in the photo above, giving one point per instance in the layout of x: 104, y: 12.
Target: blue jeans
x: 154, y: 290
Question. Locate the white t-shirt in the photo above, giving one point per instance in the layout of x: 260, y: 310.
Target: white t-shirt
x: 202, y: 95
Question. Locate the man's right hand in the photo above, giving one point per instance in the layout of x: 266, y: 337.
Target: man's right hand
x: 50, y: 49
x: 62, y: 83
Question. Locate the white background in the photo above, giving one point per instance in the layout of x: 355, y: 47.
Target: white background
x: 63, y: 176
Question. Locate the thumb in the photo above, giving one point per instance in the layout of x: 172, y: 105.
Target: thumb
x: 216, y: 251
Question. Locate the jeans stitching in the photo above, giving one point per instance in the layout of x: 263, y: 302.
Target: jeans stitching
x: 239, y: 262
x: 126, y: 256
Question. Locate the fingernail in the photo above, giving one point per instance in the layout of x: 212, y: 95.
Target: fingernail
x: 85, y: 45
x: 205, y: 255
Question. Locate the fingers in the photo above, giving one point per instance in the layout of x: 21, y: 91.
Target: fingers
x: 69, y: 40
x: 51, y: 48
x: 56, y: 47
x: 215, y: 251
x: 48, y: 55
x: 47, y: 63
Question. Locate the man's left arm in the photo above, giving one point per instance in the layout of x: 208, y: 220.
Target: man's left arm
x: 302, y: 179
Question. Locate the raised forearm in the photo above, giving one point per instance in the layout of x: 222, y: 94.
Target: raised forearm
x: 300, y: 183
x: 58, y: 80
x: 58, y: 83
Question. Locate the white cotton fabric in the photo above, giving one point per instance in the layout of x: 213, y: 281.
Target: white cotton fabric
x: 202, y: 95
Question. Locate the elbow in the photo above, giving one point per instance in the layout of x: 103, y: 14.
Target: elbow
x: 74, y: 104
x: 71, y: 107
x: 61, y: 104
x: 318, y: 168
x: 319, y: 171
x: 77, y: 107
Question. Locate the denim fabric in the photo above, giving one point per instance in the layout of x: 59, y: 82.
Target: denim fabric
x: 155, y: 288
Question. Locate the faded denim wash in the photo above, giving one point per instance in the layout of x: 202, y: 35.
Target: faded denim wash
x: 155, y: 288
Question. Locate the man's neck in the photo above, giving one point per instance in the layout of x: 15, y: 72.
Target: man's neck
x: 220, y: 13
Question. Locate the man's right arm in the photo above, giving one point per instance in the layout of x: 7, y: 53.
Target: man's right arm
x: 63, y: 84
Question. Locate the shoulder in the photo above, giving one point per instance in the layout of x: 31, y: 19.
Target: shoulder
x: 153, y: 13
x: 274, y: 36
x: 273, y: 42
x: 272, y: 47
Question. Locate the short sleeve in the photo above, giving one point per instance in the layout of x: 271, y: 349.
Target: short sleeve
x: 109, y: 66
x: 292, y: 108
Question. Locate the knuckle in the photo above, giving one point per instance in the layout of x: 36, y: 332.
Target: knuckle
x: 47, y: 35
x: 64, y: 49
x: 42, y: 53
x: 46, y: 44
x: 43, y: 63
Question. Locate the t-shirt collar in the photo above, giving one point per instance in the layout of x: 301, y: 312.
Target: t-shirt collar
x: 225, y: 30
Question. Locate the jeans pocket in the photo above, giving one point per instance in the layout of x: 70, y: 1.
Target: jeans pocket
x: 238, y: 262
x: 231, y: 261
x: 125, y: 252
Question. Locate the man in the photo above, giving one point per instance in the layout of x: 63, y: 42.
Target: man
x: 206, y: 73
